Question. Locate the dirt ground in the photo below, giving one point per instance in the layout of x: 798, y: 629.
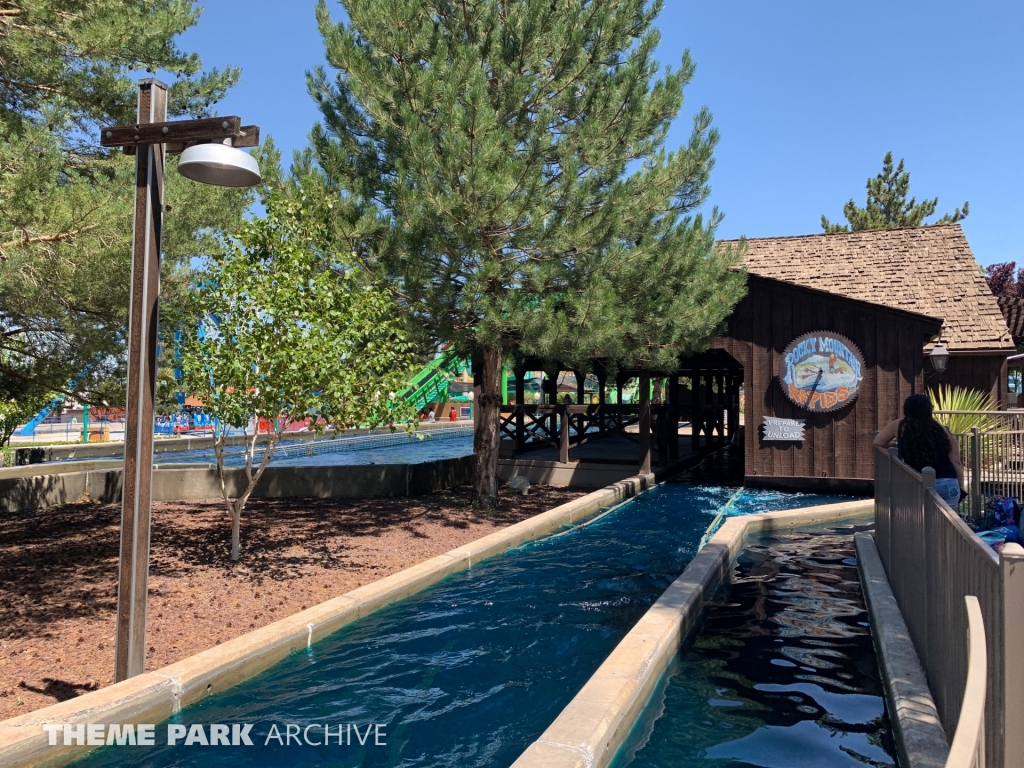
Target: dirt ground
x: 58, y: 575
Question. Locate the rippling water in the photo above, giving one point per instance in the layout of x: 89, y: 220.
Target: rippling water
x: 472, y: 670
x: 783, y: 674
x: 428, y: 449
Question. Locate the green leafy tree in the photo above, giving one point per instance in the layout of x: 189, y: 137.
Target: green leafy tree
x: 284, y: 329
x: 66, y: 68
x: 504, y: 165
x: 887, y: 205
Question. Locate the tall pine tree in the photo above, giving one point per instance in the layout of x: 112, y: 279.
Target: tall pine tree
x: 503, y: 162
x: 887, y: 206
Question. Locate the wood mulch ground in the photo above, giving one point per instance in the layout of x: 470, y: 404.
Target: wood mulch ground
x: 58, y: 575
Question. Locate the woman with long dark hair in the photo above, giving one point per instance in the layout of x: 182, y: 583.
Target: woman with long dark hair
x: 923, y: 442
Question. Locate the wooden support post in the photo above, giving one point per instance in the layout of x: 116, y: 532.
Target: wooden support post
x: 645, y: 424
x: 520, y: 403
x: 581, y: 396
x: 602, y: 379
x: 734, y: 405
x: 727, y: 381
x: 720, y: 406
x: 716, y: 408
x: 550, y: 390
x: 673, y: 419
x: 143, y: 320
x: 563, y: 434
x: 696, y: 409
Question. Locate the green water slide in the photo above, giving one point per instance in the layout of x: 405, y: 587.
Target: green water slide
x: 431, y: 384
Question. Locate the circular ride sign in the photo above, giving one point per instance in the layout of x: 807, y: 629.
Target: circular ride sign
x: 823, y: 371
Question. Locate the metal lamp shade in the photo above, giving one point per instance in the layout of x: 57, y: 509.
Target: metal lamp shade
x: 939, y: 357
x: 220, y: 165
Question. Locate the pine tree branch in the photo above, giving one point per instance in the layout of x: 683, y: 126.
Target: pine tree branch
x: 29, y: 86
x: 54, y: 238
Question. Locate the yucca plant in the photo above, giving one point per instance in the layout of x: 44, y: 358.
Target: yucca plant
x: 963, y: 399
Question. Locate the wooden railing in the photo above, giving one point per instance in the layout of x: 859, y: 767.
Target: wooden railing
x: 565, y: 426
x: 933, y: 560
x: 968, y: 747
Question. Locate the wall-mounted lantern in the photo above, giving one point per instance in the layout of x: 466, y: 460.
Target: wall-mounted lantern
x: 939, y: 357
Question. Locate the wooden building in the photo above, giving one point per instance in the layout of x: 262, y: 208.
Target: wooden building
x: 833, y: 335
x: 927, y: 270
x: 893, y: 294
x: 835, y: 452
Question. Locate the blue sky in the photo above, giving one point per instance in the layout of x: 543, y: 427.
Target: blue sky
x: 808, y: 97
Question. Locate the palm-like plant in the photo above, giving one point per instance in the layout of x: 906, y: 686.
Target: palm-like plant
x: 963, y: 399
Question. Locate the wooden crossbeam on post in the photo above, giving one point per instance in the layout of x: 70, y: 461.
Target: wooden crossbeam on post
x: 181, y: 132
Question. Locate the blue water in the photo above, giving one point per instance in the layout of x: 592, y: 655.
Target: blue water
x: 428, y: 449
x: 783, y: 674
x: 472, y: 670
x: 424, y: 448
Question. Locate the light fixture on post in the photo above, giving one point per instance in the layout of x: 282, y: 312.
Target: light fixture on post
x: 220, y: 163
x: 939, y: 357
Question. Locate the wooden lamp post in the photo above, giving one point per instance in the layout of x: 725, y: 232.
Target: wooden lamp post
x: 209, y: 155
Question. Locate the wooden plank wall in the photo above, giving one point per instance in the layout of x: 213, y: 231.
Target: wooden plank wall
x: 984, y: 372
x: 838, y: 444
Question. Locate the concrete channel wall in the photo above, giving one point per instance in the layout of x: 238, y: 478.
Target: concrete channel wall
x: 597, y: 721
x: 155, y: 696
x: 920, y: 738
x: 182, y: 483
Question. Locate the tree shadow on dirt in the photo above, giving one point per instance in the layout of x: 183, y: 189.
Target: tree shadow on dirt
x: 62, y: 562
x: 61, y: 690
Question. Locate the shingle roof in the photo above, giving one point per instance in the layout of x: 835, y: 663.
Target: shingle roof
x: 1013, y: 313
x: 928, y: 270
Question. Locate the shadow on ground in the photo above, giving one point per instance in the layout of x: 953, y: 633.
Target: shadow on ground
x: 61, y: 562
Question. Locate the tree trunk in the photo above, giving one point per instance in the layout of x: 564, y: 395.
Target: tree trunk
x: 236, y: 525
x: 645, y: 423
x: 488, y: 416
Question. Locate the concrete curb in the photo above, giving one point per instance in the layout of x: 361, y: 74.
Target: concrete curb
x: 173, y: 482
x: 154, y: 696
x: 920, y: 737
x: 595, y: 723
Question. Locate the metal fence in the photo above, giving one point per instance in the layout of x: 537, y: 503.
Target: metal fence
x: 961, y: 421
x: 933, y: 561
x: 993, y: 464
x: 357, y: 442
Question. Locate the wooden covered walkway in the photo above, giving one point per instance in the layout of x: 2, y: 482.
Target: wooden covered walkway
x: 699, y: 403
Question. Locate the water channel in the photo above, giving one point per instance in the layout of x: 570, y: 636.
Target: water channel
x: 472, y: 670
x: 783, y: 674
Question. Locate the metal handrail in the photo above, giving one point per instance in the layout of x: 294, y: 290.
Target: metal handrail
x: 998, y: 414
x: 968, y: 747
